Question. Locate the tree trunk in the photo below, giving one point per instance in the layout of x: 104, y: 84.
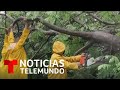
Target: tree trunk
x: 97, y: 36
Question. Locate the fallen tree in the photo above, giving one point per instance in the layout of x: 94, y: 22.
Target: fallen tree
x: 102, y: 37
x: 96, y: 36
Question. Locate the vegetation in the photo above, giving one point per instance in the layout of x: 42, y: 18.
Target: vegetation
x: 94, y: 32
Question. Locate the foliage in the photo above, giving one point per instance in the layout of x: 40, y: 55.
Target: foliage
x: 110, y: 70
x: 64, y: 19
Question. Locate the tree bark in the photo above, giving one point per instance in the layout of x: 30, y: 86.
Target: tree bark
x: 88, y: 45
x: 97, y: 36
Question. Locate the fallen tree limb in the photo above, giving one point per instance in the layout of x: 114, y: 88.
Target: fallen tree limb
x: 77, y: 21
x: 97, y: 36
x: 88, y: 45
x: 65, y: 31
x: 40, y: 47
x: 104, y: 22
x: 51, y: 32
x: 12, y: 19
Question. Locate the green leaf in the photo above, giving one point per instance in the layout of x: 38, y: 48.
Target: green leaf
x: 71, y: 27
x: 50, y: 20
x: 28, y: 14
x: 61, y: 37
x: 103, y: 66
x: 114, y: 60
x: 118, y: 65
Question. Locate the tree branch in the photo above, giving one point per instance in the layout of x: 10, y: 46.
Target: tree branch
x: 77, y: 21
x: 12, y: 19
x: 88, y: 45
x: 50, y: 32
x: 65, y: 31
x: 41, y: 47
x: 104, y: 22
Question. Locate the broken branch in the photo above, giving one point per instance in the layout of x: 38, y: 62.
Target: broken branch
x: 88, y: 45
x: 12, y: 19
x: 104, y: 22
x: 65, y: 31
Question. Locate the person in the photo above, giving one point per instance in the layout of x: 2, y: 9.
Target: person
x: 13, y: 50
x: 72, y: 62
